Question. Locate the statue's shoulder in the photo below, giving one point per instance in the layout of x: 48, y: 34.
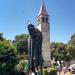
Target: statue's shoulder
x: 38, y: 32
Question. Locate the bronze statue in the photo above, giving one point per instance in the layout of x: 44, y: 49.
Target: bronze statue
x: 34, y: 47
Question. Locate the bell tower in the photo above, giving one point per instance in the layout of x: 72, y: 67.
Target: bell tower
x: 44, y: 26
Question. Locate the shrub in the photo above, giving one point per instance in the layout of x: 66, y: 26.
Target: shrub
x: 49, y: 71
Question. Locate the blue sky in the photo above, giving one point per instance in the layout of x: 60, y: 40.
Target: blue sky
x: 14, y: 15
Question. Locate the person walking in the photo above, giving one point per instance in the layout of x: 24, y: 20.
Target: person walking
x: 38, y: 70
x: 68, y: 72
x: 31, y: 72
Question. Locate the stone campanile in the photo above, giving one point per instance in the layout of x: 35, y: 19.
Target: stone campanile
x: 44, y: 26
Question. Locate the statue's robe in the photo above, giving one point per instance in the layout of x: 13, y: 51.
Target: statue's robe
x: 34, y: 49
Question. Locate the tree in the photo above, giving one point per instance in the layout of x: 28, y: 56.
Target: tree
x: 53, y: 47
x: 8, y: 58
x: 22, y: 65
x: 59, y: 52
x: 71, y: 46
x: 1, y: 36
x: 21, y: 41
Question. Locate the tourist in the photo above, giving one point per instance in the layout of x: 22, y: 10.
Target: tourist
x: 31, y: 72
x: 38, y: 70
x: 68, y: 72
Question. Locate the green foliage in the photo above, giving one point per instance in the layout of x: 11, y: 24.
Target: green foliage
x: 8, y: 58
x: 45, y: 72
x: 1, y: 36
x: 21, y: 36
x: 71, y: 46
x: 59, y: 52
x: 22, y: 65
x: 53, y: 47
x: 21, y: 42
x: 50, y: 71
x: 73, y: 36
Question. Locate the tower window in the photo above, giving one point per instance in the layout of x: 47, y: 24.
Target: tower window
x: 46, y: 19
x: 43, y: 19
